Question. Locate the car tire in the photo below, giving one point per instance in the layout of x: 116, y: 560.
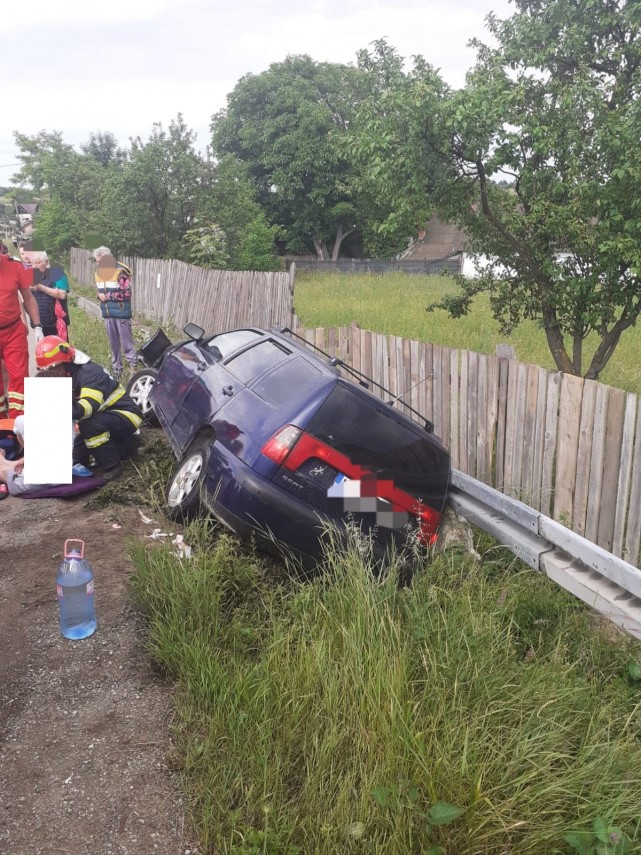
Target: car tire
x: 183, y: 491
x: 139, y: 388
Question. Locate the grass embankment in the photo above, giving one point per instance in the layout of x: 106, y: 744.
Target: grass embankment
x: 395, y: 304
x: 334, y: 716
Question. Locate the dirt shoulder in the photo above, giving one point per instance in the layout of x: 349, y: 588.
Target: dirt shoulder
x: 84, y: 725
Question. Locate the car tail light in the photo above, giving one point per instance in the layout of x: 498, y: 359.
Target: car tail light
x: 302, y: 446
x: 281, y: 443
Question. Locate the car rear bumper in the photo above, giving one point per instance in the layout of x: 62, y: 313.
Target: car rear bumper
x: 250, y: 505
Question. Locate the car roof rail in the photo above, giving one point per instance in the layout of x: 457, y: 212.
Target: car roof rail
x: 363, y: 379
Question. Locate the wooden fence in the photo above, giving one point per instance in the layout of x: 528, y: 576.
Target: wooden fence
x: 568, y: 447
x: 169, y: 291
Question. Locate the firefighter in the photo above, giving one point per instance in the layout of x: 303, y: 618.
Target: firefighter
x: 108, y: 419
x: 14, y: 349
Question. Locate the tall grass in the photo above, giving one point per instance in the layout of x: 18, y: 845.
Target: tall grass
x: 395, y: 304
x: 330, y: 716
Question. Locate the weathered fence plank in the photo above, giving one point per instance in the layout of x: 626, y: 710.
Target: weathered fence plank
x: 549, y: 445
x: 625, y: 474
x: 596, y: 463
x: 633, y: 531
x: 584, y: 456
x: 611, y: 463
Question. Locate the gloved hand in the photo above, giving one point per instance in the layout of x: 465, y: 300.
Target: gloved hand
x: 38, y: 334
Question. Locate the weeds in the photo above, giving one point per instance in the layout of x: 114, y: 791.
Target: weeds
x: 345, y: 714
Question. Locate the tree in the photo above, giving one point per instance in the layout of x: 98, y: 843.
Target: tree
x: 149, y: 202
x: 554, y: 109
x: 257, y: 247
x: 285, y: 125
x: 207, y: 246
x: 102, y: 146
x: 394, y: 140
x: 228, y: 198
x: 69, y: 185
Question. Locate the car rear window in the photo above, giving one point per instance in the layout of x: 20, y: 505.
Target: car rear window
x: 373, y: 436
x: 288, y: 381
x: 256, y: 360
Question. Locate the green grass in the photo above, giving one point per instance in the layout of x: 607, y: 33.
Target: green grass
x: 331, y: 716
x: 395, y: 304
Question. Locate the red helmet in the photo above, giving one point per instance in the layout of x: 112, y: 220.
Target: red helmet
x: 53, y: 350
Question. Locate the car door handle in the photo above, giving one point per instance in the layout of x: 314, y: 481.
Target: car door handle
x: 228, y: 390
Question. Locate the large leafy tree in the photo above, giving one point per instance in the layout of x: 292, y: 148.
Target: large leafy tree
x: 554, y: 108
x: 150, y: 200
x: 142, y: 200
x: 394, y: 143
x: 228, y: 199
x: 68, y: 183
x: 286, y: 126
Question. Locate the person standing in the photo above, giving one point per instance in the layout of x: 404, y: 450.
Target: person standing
x: 51, y: 297
x: 113, y: 285
x: 15, y: 279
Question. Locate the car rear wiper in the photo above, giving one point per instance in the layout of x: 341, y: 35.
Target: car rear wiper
x: 364, y: 380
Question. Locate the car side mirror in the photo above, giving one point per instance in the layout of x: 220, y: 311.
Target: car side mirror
x: 194, y: 331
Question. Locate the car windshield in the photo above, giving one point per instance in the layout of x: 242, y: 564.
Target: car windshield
x: 225, y: 344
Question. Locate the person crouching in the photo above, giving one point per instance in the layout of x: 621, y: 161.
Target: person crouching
x: 107, y: 417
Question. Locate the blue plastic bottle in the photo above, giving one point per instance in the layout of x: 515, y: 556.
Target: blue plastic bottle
x: 74, y: 586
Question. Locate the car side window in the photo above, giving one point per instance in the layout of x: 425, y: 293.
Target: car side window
x: 291, y: 380
x: 221, y: 346
x: 256, y: 360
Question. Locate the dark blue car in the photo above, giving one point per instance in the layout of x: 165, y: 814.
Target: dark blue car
x: 277, y: 444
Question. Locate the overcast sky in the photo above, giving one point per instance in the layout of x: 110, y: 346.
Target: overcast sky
x: 121, y: 65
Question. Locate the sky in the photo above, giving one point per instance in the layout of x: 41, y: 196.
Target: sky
x: 120, y: 66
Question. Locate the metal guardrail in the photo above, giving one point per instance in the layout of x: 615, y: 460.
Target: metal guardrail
x: 608, y: 584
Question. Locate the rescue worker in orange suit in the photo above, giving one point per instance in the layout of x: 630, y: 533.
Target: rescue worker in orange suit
x: 16, y: 280
x: 108, y: 419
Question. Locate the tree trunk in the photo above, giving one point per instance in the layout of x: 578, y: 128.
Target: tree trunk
x: 340, y: 237
x: 606, y: 348
x: 321, y: 250
x: 577, y: 352
x: 556, y: 344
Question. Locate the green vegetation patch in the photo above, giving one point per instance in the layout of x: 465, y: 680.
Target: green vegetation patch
x: 396, y: 304
x: 479, y: 711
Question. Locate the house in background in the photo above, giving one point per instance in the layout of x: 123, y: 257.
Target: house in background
x: 439, y: 241
x: 26, y: 211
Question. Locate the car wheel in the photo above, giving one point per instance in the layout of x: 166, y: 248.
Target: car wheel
x: 183, y: 492
x: 139, y: 389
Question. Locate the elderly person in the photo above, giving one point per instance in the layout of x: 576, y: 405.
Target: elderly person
x: 113, y: 286
x: 51, y: 297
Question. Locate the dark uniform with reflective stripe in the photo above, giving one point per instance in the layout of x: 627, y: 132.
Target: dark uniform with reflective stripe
x: 107, y: 417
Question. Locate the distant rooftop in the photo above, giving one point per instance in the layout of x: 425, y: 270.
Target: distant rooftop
x: 439, y: 240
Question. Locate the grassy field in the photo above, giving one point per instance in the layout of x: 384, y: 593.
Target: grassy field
x: 395, y: 304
